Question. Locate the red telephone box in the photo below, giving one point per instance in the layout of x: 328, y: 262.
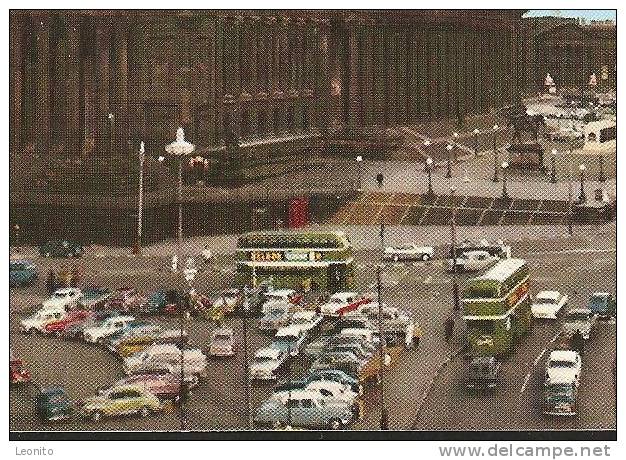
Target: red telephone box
x: 298, y: 212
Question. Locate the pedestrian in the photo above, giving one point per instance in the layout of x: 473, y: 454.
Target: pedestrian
x: 578, y: 341
x: 51, y: 282
x: 379, y: 179
x: 449, y: 328
x: 174, y: 263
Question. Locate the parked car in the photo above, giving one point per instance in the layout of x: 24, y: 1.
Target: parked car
x: 227, y: 300
x: 266, y: 363
x: 338, y: 302
x: 125, y: 299
x: 563, y: 365
x: 579, y: 319
x: 483, y: 373
x: 305, y: 409
x: 17, y: 371
x: 75, y: 329
x: 132, y: 329
x: 53, y: 404
x: 548, y: 304
x: 138, y: 341
x: 564, y: 133
x: 289, y: 339
x: 65, y: 298
x: 160, y: 302
x: 94, y: 297
x: 308, y: 321
x: 106, y: 328
x: 473, y: 261
x: 277, y: 316
x: 73, y: 317
x: 408, y: 252
x: 222, y: 342
x: 38, y: 321
x: 602, y: 304
x: 559, y: 397
x: 335, y: 375
x: 194, y: 360
x: 282, y: 295
x: 334, y: 391
x: 326, y: 342
x: 61, y: 248
x: 22, y: 273
x: 164, y: 385
x: 344, y: 361
x: 121, y: 400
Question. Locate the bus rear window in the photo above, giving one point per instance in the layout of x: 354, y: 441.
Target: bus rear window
x: 481, y: 292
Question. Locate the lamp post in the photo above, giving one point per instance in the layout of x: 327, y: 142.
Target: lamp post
x: 142, y: 158
x: 384, y: 418
x: 495, y: 153
x: 359, y: 160
x: 455, y: 135
x: 601, y: 177
x: 180, y: 148
x: 246, y: 362
x: 476, y: 132
x: 111, y: 118
x: 449, y: 148
x: 190, y: 273
x: 429, y: 166
x: 505, y: 165
x: 455, y: 285
x: 553, y: 174
x: 581, y: 196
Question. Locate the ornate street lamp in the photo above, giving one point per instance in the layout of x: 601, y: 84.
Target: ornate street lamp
x: 476, y: 132
x: 553, y: 174
x: 455, y: 286
x: 581, y: 196
x: 142, y: 158
x: 180, y: 148
x: 429, y: 165
x: 505, y: 165
x: 449, y: 148
x: 495, y: 153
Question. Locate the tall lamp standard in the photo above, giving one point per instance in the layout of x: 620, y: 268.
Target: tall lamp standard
x: 142, y: 158
x: 455, y: 285
x: 246, y: 361
x: 190, y: 274
x: 581, y: 196
x: 505, y: 165
x: 495, y: 153
x: 476, y: 132
x: 384, y: 416
x: 180, y: 148
x: 429, y: 167
x: 449, y: 148
x: 455, y: 135
x: 111, y: 118
x: 553, y: 173
x: 359, y: 161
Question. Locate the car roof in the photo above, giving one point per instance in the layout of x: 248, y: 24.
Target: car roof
x: 308, y: 314
x: 281, y: 292
x: 549, y: 294
x: 296, y: 394
x: 343, y: 294
x: 288, y: 330
x: 600, y: 294
x: 563, y: 355
x: 579, y: 310
x: 121, y: 318
x: 268, y: 352
x: 68, y: 290
x: 52, y: 389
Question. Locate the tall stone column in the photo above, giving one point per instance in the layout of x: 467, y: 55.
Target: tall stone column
x: 73, y: 143
x: 353, y: 71
x: 368, y: 73
x: 102, y: 71
x: 16, y: 78
x: 283, y: 54
x: 120, y: 85
x: 252, y: 29
x: 41, y: 133
x: 323, y: 83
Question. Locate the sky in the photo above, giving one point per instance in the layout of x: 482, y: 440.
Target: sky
x: 586, y: 14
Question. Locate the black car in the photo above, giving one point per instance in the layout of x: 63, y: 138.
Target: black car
x: 61, y: 248
x: 483, y: 373
x: 53, y: 404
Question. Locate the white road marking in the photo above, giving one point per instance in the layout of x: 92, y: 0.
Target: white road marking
x: 525, y: 383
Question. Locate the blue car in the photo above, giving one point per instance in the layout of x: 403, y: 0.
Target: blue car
x: 22, y: 273
x: 603, y: 304
x: 335, y: 375
x: 53, y: 404
x: 61, y: 248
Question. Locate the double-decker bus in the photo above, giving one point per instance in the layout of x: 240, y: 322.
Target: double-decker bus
x: 296, y: 259
x: 496, y: 308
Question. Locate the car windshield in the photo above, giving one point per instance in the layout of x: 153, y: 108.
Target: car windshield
x: 336, y: 300
x: 60, y: 295
x: 58, y: 399
x: 17, y: 266
x: 560, y: 389
x: 561, y: 363
x: 598, y: 301
x: 547, y: 300
x: 578, y: 317
x: 262, y: 359
x: 221, y: 338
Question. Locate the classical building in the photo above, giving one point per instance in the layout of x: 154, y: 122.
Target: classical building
x: 570, y: 51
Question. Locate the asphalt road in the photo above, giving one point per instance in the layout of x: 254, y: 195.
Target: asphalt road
x: 424, y: 289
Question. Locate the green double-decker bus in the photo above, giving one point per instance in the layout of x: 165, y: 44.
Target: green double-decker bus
x: 296, y: 259
x: 496, y: 308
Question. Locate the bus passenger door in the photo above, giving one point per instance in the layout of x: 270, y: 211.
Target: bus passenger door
x: 336, y: 277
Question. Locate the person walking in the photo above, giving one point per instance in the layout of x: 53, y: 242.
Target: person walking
x: 51, y: 282
x: 449, y: 328
x: 379, y: 179
x: 578, y: 342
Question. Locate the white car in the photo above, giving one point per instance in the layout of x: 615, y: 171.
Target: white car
x: 63, y: 298
x: 473, y: 261
x: 548, y: 304
x: 267, y: 361
x: 331, y: 389
x: 408, y: 252
x: 306, y: 320
x: 194, y: 361
x: 338, y: 301
x: 289, y: 339
x: 38, y: 321
x: 563, y: 365
x: 108, y: 327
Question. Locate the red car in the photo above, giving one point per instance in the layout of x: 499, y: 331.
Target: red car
x: 125, y: 299
x: 17, y: 373
x: 72, y: 318
x: 163, y: 385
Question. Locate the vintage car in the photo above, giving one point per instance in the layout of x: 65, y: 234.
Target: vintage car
x: 121, y: 400
x: 53, y: 404
x: 17, y: 372
x: 61, y: 248
x: 159, y: 302
x: 139, y: 341
x: 63, y: 298
x: 548, y: 304
x: 125, y: 299
x: 579, y: 319
x: 222, y: 343
x: 227, y: 300
x: 473, y: 261
x: 94, y: 297
x: 326, y: 342
x: 163, y: 385
x: 408, y: 252
x: 602, y: 304
x: 559, y: 397
x: 483, y: 373
x: 275, y: 317
x: 303, y: 408
x: 340, y: 302
x: 280, y: 296
x: 335, y: 375
x: 75, y: 330
x: 194, y: 361
x: 73, y: 317
x: 37, y: 321
x: 108, y: 327
x: 398, y: 325
x: 308, y: 321
x: 22, y: 273
x: 563, y: 365
x: 266, y: 363
x: 289, y: 339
